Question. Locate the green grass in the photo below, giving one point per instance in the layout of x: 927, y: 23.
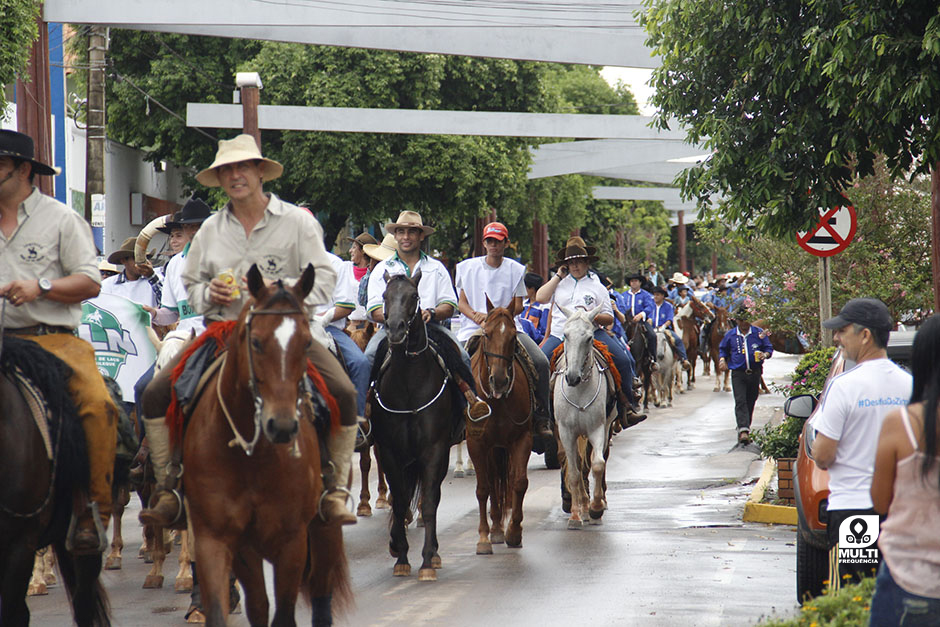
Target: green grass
x: 847, y: 608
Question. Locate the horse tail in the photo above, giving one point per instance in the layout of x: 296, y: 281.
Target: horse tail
x: 90, y: 606
x: 498, y: 467
x: 326, y: 584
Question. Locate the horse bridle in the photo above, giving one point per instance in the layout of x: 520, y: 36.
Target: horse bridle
x: 247, y: 446
x: 408, y: 326
x: 597, y: 387
x: 486, y: 362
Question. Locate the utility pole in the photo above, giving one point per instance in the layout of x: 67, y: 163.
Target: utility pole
x: 33, y: 103
x: 825, y: 301
x: 95, y: 134
x: 249, y: 86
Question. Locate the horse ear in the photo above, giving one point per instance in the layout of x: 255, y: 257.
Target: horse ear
x: 489, y: 304
x: 416, y: 277
x: 593, y: 313
x: 568, y: 312
x: 386, y: 277
x: 305, y: 284
x: 255, y: 281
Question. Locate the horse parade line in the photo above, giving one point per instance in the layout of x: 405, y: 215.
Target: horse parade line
x: 671, y: 548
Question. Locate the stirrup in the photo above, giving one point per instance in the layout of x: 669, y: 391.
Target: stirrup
x: 349, y: 499
x: 99, y: 528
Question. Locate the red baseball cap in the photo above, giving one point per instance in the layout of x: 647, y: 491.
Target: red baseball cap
x: 496, y: 230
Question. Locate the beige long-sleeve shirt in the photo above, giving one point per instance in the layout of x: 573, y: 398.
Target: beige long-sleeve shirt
x: 282, y: 244
x: 50, y: 241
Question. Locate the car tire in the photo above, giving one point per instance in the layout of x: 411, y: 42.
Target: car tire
x: 812, y: 568
x: 551, y: 455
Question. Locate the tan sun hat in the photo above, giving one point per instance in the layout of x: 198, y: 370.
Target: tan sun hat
x: 126, y: 250
x: 241, y: 148
x: 679, y: 278
x: 408, y: 219
x: 381, y: 252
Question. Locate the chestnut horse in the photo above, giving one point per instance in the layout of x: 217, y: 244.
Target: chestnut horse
x: 39, y: 485
x: 687, y: 325
x: 721, y: 326
x: 500, y: 444
x: 257, y: 499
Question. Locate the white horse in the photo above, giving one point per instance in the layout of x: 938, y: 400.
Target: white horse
x: 580, y: 398
x: 664, y: 379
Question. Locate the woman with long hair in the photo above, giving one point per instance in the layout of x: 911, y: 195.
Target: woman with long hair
x: 906, y: 486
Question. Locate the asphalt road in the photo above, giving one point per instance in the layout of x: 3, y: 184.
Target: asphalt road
x: 672, y: 549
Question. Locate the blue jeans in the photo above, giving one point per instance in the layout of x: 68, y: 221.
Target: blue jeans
x: 139, y: 388
x: 357, y: 366
x: 623, y: 360
x: 892, y: 606
x: 680, y: 347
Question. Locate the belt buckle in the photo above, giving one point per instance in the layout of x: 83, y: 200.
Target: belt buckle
x: 748, y: 371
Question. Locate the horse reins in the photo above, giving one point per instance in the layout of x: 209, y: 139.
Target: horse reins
x: 597, y: 389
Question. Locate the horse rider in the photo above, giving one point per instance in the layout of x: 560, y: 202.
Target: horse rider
x: 713, y: 300
x: 574, y: 285
x: 534, y: 316
x: 678, y: 280
x: 376, y: 254
x: 663, y: 315
x: 494, y: 277
x: 361, y: 265
x: 47, y: 268
x: 638, y: 306
x: 254, y: 227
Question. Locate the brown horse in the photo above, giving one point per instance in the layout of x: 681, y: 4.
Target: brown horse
x: 500, y: 444
x: 687, y: 326
x: 360, y: 333
x: 721, y: 326
x: 257, y: 499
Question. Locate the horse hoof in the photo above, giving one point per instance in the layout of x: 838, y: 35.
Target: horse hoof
x: 148, y: 557
x: 596, y: 513
x: 183, y: 585
x: 50, y: 579
x: 153, y: 581
x: 574, y: 524
x: 37, y: 589
x: 113, y: 563
x: 497, y: 537
x: 459, y: 473
x: 364, y: 510
x: 514, y: 539
x: 484, y: 548
x: 402, y: 570
x: 141, y: 553
x: 420, y: 522
x: 592, y: 520
x: 381, y: 503
x: 196, y: 617
x: 471, y: 472
x: 436, y: 562
x: 427, y: 574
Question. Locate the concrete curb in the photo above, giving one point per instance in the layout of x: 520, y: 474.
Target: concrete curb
x: 755, y: 511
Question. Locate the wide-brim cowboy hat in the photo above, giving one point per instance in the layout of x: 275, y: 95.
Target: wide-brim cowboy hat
x: 170, y: 224
x: 679, y: 279
x: 195, y: 211
x: 575, y: 248
x: 364, y: 239
x: 126, y: 250
x: 409, y: 220
x: 381, y: 252
x: 20, y: 146
x: 236, y: 150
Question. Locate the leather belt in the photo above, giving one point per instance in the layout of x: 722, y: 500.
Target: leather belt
x: 40, y: 329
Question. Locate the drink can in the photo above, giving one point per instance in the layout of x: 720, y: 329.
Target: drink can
x: 227, y: 276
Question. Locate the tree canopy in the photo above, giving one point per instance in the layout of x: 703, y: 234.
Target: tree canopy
x: 795, y: 98
x: 18, y: 31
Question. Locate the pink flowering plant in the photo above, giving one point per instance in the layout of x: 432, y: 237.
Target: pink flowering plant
x: 810, y: 374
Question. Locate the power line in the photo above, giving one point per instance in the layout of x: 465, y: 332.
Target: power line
x: 150, y: 98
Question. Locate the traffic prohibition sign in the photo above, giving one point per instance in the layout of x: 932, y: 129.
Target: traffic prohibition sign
x: 832, y: 234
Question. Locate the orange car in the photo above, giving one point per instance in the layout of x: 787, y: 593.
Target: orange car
x: 811, y: 485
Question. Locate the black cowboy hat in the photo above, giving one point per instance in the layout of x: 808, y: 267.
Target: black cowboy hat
x: 172, y: 223
x: 635, y: 275
x: 195, y: 211
x: 575, y: 248
x: 20, y: 146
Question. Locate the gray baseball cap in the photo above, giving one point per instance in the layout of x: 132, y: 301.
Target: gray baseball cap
x: 868, y: 312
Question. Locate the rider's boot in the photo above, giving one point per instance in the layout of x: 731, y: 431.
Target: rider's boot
x: 686, y: 365
x: 335, y: 493
x: 476, y: 406
x: 166, y: 504
x: 139, y: 467
x: 628, y: 413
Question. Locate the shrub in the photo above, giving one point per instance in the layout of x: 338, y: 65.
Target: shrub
x: 849, y: 606
x: 779, y: 441
x: 810, y: 374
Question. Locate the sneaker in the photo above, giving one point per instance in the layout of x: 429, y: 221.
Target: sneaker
x: 744, y: 437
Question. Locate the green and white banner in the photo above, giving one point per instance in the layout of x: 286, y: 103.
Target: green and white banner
x: 117, y: 328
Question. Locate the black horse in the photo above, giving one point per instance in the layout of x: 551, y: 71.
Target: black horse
x: 639, y: 348
x: 36, y: 494
x: 417, y: 411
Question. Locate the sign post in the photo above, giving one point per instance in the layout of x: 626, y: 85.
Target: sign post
x: 831, y: 235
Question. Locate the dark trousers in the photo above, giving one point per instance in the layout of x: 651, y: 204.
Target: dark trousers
x: 847, y: 573
x: 745, y: 387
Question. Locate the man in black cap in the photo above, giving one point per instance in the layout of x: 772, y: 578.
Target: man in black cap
x: 848, y: 423
x: 47, y: 268
x: 743, y: 351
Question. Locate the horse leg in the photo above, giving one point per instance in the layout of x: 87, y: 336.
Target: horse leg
x: 727, y: 380
x: 184, y: 578
x: 381, y: 502
x: 16, y: 562
x: 484, y: 546
x: 434, y: 474
x: 598, y: 439
x: 249, y: 569
x: 154, y: 578
x: 489, y: 468
x: 113, y: 562
x: 365, y: 465
x: 37, y: 583
x: 458, y: 466
x: 401, y: 506
x: 48, y: 566
x: 572, y: 474
x: 288, y: 573
x: 518, y: 483
x: 213, y: 565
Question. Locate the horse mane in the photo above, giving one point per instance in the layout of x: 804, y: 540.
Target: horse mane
x: 50, y: 375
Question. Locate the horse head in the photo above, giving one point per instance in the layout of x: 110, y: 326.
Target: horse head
x: 402, y: 306
x: 579, y: 340
x: 700, y: 310
x: 722, y: 319
x: 274, y: 340
x: 499, y: 348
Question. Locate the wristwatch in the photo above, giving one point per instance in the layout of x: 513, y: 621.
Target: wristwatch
x: 432, y: 311
x: 45, y: 286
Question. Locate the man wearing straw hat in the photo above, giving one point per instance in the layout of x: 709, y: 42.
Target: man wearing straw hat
x: 361, y: 264
x: 254, y: 227
x: 47, y: 268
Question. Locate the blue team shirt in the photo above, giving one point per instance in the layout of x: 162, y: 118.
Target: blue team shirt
x: 663, y: 315
x: 534, y: 318
x: 633, y: 304
x: 733, y: 346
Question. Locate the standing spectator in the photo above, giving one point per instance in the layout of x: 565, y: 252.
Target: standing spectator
x: 906, y: 487
x: 849, y: 419
x: 653, y: 277
x: 743, y: 350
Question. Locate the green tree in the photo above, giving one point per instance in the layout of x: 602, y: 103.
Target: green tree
x: 795, y: 99
x: 18, y: 31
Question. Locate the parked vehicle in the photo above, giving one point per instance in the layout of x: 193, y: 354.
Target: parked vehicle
x: 811, y: 483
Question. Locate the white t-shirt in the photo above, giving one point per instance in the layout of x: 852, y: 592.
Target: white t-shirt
x: 138, y: 291
x: 586, y: 293
x: 479, y: 280
x: 345, y: 292
x: 175, y: 297
x: 434, y: 290
x: 853, y: 407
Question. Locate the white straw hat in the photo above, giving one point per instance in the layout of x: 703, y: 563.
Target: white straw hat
x: 381, y: 252
x: 241, y: 148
